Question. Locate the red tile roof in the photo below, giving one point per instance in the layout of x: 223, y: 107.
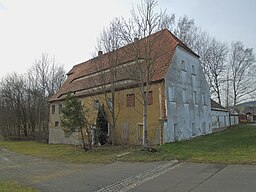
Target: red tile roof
x: 84, y: 75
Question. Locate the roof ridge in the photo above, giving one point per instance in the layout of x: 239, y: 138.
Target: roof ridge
x: 164, y: 44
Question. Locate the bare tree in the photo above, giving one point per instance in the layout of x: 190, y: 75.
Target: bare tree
x: 187, y: 31
x: 49, y: 78
x: 213, y: 53
x: 214, y: 60
x: 242, y: 68
x: 14, y: 96
x: 144, y: 22
x: 110, y: 42
x: 24, y: 98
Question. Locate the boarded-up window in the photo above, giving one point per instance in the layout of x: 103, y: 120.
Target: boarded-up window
x: 194, y: 97
x: 183, y: 65
x: 204, y: 99
x: 96, y: 103
x: 176, y: 132
x: 184, y: 95
x: 125, y: 131
x: 53, y: 109
x: 193, y: 70
x: 204, y: 128
x: 150, y: 98
x: 109, y: 102
x: 130, y: 100
x: 171, y: 93
x: 140, y: 132
x: 193, y: 129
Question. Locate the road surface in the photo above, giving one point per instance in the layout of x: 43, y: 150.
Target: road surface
x: 173, y: 176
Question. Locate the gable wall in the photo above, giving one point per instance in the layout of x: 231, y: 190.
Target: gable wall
x: 187, y: 99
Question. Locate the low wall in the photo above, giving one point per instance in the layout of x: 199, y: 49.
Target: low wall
x: 57, y: 136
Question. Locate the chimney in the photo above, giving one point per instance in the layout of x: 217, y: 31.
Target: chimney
x: 136, y: 39
x: 100, y: 53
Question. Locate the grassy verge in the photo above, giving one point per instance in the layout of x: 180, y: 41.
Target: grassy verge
x: 234, y: 145
x: 12, y: 186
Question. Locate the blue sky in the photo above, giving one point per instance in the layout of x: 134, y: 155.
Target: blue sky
x: 68, y: 29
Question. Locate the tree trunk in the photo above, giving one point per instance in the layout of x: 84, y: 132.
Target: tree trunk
x: 113, y: 118
x: 218, y: 95
x: 145, y: 129
x: 82, y: 135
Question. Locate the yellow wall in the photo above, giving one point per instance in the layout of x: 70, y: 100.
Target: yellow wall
x: 129, y: 118
x: 56, y: 116
x: 132, y: 117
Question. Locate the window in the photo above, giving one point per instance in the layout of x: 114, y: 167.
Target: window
x: 193, y: 129
x: 109, y: 102
x: 60, y: 109
x: 130, y: 100
x: 150, y: 98
x: 176, y: 132
x: 183, y: 65
x: 204, y: 99
x: 96, y: 103
x: 194, y: 97
x: 56, y: 123
x: 204, y: 128
x: 171, y: 93
x: 125, y: 131
x: 193, y: 70
x: 140, y: 132
x: 184, y: 95
x: 53, y: 109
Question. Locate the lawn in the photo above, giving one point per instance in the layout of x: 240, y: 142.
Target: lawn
x: 234, y: 145
x: 13, y: 186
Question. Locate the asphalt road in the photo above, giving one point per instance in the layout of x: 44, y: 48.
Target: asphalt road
x: 51, y: 176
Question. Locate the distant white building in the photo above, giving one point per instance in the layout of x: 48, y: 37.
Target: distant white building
x: 222, y: 117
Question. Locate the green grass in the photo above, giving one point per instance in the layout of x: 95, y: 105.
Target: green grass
x: 12, y: 186
x: 234, y: 145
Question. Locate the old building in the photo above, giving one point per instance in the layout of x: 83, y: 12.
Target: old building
x: 179, y: 101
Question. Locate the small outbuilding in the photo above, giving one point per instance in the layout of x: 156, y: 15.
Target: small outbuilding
x: 221, y: 117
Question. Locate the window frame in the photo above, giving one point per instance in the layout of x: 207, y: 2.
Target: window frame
x: 193, y: 70
x: 171, y: 93
x: 130, y: 100
x: 96, y: 103
x: 194, y: 97
x: 183, y: 65
x: 150, y: 97
x: 56, y: 124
